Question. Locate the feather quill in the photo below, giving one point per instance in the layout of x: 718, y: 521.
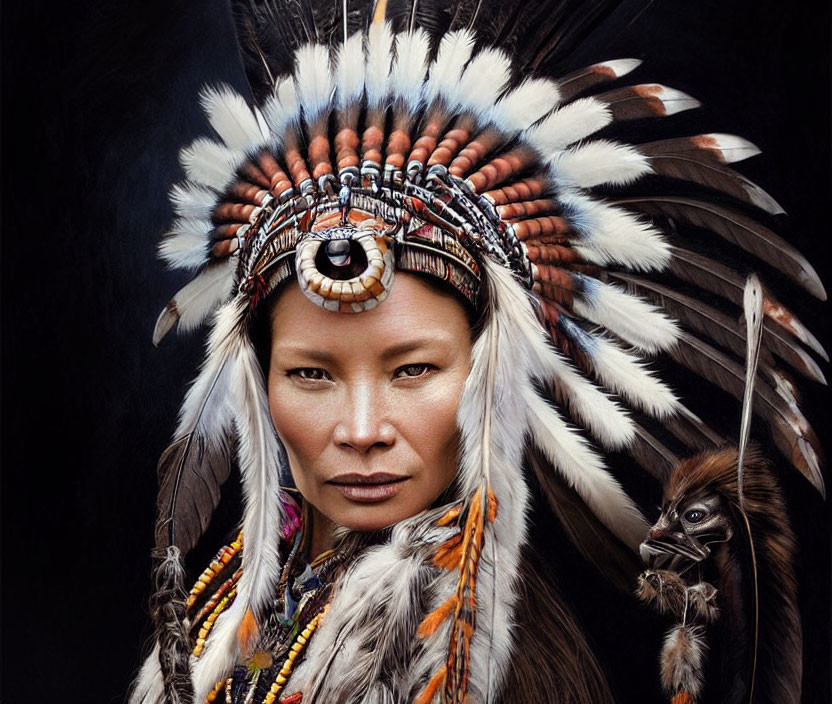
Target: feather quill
x: 721, y: 328
x: 723, y: 281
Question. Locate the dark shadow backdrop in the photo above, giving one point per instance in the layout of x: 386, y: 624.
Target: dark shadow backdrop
x: 97, y: 97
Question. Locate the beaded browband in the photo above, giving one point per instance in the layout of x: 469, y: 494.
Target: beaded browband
x: 344, y: 240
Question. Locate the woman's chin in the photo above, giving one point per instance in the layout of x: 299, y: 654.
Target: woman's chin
x: 366, y: 518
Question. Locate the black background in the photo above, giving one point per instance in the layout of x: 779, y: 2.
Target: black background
x: 97, y: 97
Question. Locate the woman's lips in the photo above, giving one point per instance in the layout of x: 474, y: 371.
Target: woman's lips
x: 368, y: 488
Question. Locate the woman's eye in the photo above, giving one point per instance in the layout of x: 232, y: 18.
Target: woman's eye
x: 310, y: 374
x: 411, y: 371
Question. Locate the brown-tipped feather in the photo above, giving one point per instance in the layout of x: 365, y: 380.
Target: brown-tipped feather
x: 723, y: 281
x: 790, y: 430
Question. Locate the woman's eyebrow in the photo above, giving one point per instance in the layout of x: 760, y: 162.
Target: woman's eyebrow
x: 413, y: 346
x: 316, y: 354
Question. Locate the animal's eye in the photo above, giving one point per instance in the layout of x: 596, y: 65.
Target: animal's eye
x: 694, y: 515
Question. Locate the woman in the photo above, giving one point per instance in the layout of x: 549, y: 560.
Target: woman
x: 376, y: 158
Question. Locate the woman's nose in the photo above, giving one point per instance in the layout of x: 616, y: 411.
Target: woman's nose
x: 364, y: 424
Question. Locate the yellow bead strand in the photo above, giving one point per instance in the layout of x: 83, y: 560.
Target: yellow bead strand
x: 221, y: 559
x: 209, y: 622
x: 294, y: 651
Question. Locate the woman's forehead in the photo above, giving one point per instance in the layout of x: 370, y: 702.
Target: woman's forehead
x: 415, y: 316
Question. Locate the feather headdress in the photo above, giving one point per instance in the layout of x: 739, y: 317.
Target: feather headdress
x: 386, y: 140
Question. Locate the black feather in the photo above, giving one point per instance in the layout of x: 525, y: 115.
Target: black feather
x: 191, y: 472
x: 592, y: 538
x: 723, y: 281
x: 738, y: 229
x: 722, y: 329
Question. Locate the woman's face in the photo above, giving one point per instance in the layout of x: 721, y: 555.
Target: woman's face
x: 366, y: 404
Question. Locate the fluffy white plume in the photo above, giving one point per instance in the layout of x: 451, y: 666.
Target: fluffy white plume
x: 377, y: 68
x: 623, y: 373
x: 349, y: 70
x: 192, y: 201
x: 261, y: 460
x: 410, y: 66
x: 629, y: 317
x: 599, y: 162
x: 567, y: 125
x: 525, y: 105
x: 209, y: 163
x: 213, y: 383
x: 282, y: 108
x: 483, y: 80
x: 231, y: 117
x: 585, y: 472
x: 445, y: 72
x: 627, y: 376
x: 604, y: 418
x: 186, y: 245
x: 379, y: 600
x: 611, y: 235
x: 313, y: 79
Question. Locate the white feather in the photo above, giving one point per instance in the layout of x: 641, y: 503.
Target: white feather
x: 599, y: 162
x: 619, y: 67
x: 220, y: 653
x: 231, y: 117
x: 682, y: 660
x: 313, y: 80
x: 209, y: 163
x: 674, y: 101
x: 200, y: 297
x: 585, y: 472
x: 626, y: 375
x: 213, y: 380
x: 445, y: 72
x: 604, y: 418
x: 190, y: 200
x: 186, y: 245
x: 282, y: 108
x: 410, y: 66
x: 261, y: 459
x: 349, y: 70
x: 149, y: 687
x: 483, y: 80
x: 567, y: 125
x: 525, y: 105
x: 629, y: 317
x: 623, y: 373
x: 379, y: 58
x: 610, y: 235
